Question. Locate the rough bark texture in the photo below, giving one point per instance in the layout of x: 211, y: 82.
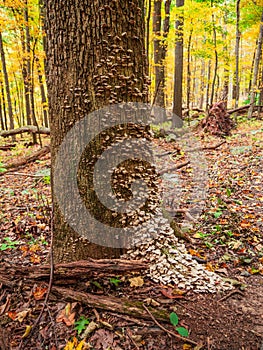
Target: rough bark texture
x: 237, y: 47
x: 178, y: 73
x: 7, y: 87
x: 95, y: 57
x: 256, y: 68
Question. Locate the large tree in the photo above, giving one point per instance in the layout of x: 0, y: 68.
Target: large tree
x: 95, y: 58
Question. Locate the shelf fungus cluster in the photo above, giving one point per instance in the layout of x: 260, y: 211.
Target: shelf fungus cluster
x: 169, y: 261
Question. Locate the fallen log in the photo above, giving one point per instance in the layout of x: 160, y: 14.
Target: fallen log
x: 30, y: 128
x: 231, y: 111
x: 68, y: 273
x: 38, y: 154
x: 7, y: 147
x: 109, y: 303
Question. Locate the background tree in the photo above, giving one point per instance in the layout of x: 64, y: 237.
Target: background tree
x: 178, y: 72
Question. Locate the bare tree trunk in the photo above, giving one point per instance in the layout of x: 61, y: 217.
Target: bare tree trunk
x: 236, y: 85
x: 43, y: 94
x: 202, y: 85
x: 216, y: 62
x: 208, y: 85
x: 2, y: 100
x: 256, y: 68
x: 188, y: 86
x: 7, y: 87
x: 252, y: 68
x: 157, y: 54
x: 225, y: 90
x: 178, y: 72
x: 148, y: 19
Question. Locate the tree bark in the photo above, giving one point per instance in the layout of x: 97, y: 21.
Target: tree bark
x: 188, y: 86
x: 216, y: 61
x: 238, y: 34
x: 178, y: 73
x: 256, y: 68
x: 95, y: 57
x: 157, y: 53
x: 7, y: 87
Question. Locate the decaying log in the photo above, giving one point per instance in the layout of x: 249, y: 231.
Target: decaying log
x: 11, y: 275
x: 110, y: 303
x: 7, y: 147
x: 30, y: 128
x: 67, y: 273
x: 242, y: 108
x: 35, y: 156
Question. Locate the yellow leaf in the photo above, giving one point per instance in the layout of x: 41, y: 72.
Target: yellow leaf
x: 27, y: 331
x: 136, y: 281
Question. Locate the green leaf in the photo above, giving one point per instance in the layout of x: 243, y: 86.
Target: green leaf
x: 115, y: 281
x: 81, y: 324
x: 218, y: 214
x: 174, y: 319
x: 182, y: 331
x: 97, y: 284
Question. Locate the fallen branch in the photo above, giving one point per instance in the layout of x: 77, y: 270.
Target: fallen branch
x: 176, y: 167
x: 235, y: 291
x: 30, y: 128
x: 38, y: 154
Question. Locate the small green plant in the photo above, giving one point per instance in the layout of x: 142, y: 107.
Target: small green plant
x: 218, y: 213
x: 174, y: 321
x: 46, y: 179
x: 115, y: 281
x: 9, y: 244
x: 2, y: 168
x: 81, y: 324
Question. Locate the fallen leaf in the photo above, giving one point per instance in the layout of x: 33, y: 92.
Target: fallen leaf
x: 136, y: 281
x: 39, y: 293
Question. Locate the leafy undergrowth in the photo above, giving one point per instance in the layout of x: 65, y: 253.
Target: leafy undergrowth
x: 227, y: 238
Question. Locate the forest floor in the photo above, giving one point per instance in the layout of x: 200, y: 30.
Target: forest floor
x: 226, y: 239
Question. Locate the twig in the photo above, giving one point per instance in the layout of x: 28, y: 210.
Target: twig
x: 22, y: 343
x: 176, y: 167
x: 24, y: 174
x: 167, y: 330
x: 235, y: 291
x: 130, y: 337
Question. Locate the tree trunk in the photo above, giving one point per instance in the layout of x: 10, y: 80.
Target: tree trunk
x: 256, y: 68
x: 157, y: 54
x: 225, y: 89
x: 7, y: 87
x: 43, y: 95
x: 95, y: 57
x: 237, y: 47
x: 202, y: 85
x: 148, y: 19
x: 178, y: 73
x: 2, y: 104
x: 216, y: 62
x: 208, y: 85
x: 188, y: 86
